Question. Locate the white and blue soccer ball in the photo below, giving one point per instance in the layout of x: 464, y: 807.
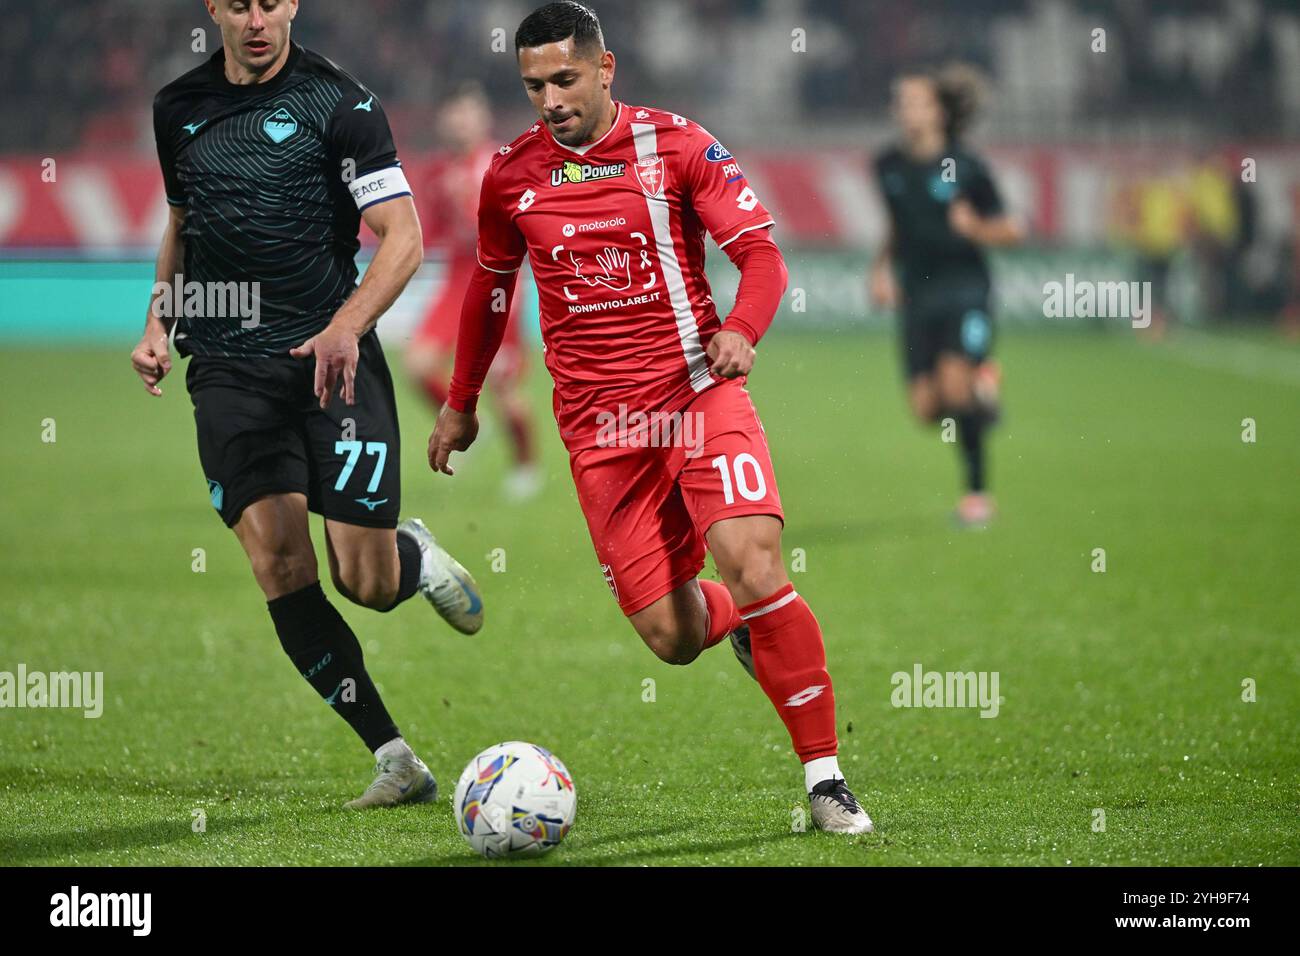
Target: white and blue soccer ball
x: 515, y: 799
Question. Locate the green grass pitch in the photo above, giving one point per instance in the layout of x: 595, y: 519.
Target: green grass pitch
x: 1123, y: 690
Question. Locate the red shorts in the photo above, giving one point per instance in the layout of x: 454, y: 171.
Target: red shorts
x: 441, y: 323
x: 648, y: 507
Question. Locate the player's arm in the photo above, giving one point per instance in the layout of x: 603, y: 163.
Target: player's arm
x: 361, y: 143
x: 978, y: 213
x: 763, y: 280
x: 483, y: 318
x: 151, y: 358
x: 997, y: 230
x: 729, y: 209
x: 883, y: 282
x: 398, y: 255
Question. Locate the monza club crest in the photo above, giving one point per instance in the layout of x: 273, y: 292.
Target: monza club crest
x: 650, y: 174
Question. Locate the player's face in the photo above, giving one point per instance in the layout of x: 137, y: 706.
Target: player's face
x: 917, y: 107
x: 254, y: 32
x: 465, y: 123
x: 570, y: 92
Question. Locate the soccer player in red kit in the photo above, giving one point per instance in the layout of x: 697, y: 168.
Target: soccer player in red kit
x: 465, y: 122
x: 611, y: 202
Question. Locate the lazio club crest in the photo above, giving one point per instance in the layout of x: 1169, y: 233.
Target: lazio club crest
x: 650, y: 174
x: 280, y: 125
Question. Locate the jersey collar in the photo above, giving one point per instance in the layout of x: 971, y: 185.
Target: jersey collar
x: 607, y: 138
x: 218, y: 65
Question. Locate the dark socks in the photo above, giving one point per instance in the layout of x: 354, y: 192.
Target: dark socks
x: 970, y: 437
x: 326, y: 653
x: 408, y: 556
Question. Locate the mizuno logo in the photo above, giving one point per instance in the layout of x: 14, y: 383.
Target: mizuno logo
x: 193, y: 128
x: 365, y: 106
x: 372, y: 505
x: 330, y: 699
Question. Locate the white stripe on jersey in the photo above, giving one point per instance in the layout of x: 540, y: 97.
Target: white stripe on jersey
x: 688, y: 329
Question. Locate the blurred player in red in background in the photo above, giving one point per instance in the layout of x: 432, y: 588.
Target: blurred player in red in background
x: 465, y: 122
x: 610, y: 202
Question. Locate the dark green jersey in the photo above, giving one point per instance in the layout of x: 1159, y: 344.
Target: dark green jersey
x: 931, y: 259
x: 273, y: 177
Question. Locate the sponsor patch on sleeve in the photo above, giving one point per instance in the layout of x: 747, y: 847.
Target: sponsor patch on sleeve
x: 716, y: 152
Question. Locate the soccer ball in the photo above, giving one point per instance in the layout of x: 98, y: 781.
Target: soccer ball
x: 514, y: 799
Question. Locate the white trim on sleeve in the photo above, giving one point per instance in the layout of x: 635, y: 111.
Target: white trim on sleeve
x: 501, y: 272
x: 761, y: 225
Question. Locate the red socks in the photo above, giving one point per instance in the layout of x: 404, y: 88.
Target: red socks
x: 723, y: 616
x: 790, y: 663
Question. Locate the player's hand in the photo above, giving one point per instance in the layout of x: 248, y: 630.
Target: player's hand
x: 151, y: 358
x: 884, y: 287
x: 963, y: 218
x: 454, y: 431
x: 336, y: 354
x: 731, y: 354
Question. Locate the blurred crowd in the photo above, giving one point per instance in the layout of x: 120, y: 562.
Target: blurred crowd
x: 82, y: 72
x: 1208, y: 214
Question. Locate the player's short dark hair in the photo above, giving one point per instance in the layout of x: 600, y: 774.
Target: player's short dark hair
x: 559, y: 21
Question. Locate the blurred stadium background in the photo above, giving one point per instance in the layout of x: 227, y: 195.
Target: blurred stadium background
x: 1115, y: 159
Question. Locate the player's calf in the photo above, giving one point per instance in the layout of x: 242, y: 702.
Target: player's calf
x: 373, y: 567
x: 675, y: 626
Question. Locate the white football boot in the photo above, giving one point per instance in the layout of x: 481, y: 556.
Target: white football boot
x: 400, y: 777
x: 836, y: 810
x: 444, y: 581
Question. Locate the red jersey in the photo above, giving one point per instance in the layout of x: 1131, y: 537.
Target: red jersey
x: 614, y: 232
x: 451, y: 200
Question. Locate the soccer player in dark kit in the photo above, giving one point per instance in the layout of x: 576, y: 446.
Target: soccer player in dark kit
x: 610, y: 203
x: 271, y: 156
x: 944, y: 209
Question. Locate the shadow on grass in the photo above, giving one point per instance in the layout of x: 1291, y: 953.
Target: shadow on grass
x: 47, y: 846
x: 576, y: 854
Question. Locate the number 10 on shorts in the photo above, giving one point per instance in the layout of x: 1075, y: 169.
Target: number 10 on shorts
x: 751, y: 488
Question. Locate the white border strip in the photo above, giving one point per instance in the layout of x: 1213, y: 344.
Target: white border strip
x: 688, y: 327
x: 769, y: 608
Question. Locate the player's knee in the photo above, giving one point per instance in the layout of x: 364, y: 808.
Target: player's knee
x: 283, y: 570
x: 759, y: 573
x: 670, y: 642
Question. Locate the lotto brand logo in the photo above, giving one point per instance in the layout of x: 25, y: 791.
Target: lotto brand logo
x: 572, y: 172
x: 805, y: 695
x: 717, y: 153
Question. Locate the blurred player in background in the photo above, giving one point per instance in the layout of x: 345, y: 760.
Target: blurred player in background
x: 465, y: 122
x: 944, y: 209
x: 272, y: 156
x: 611, y: 202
